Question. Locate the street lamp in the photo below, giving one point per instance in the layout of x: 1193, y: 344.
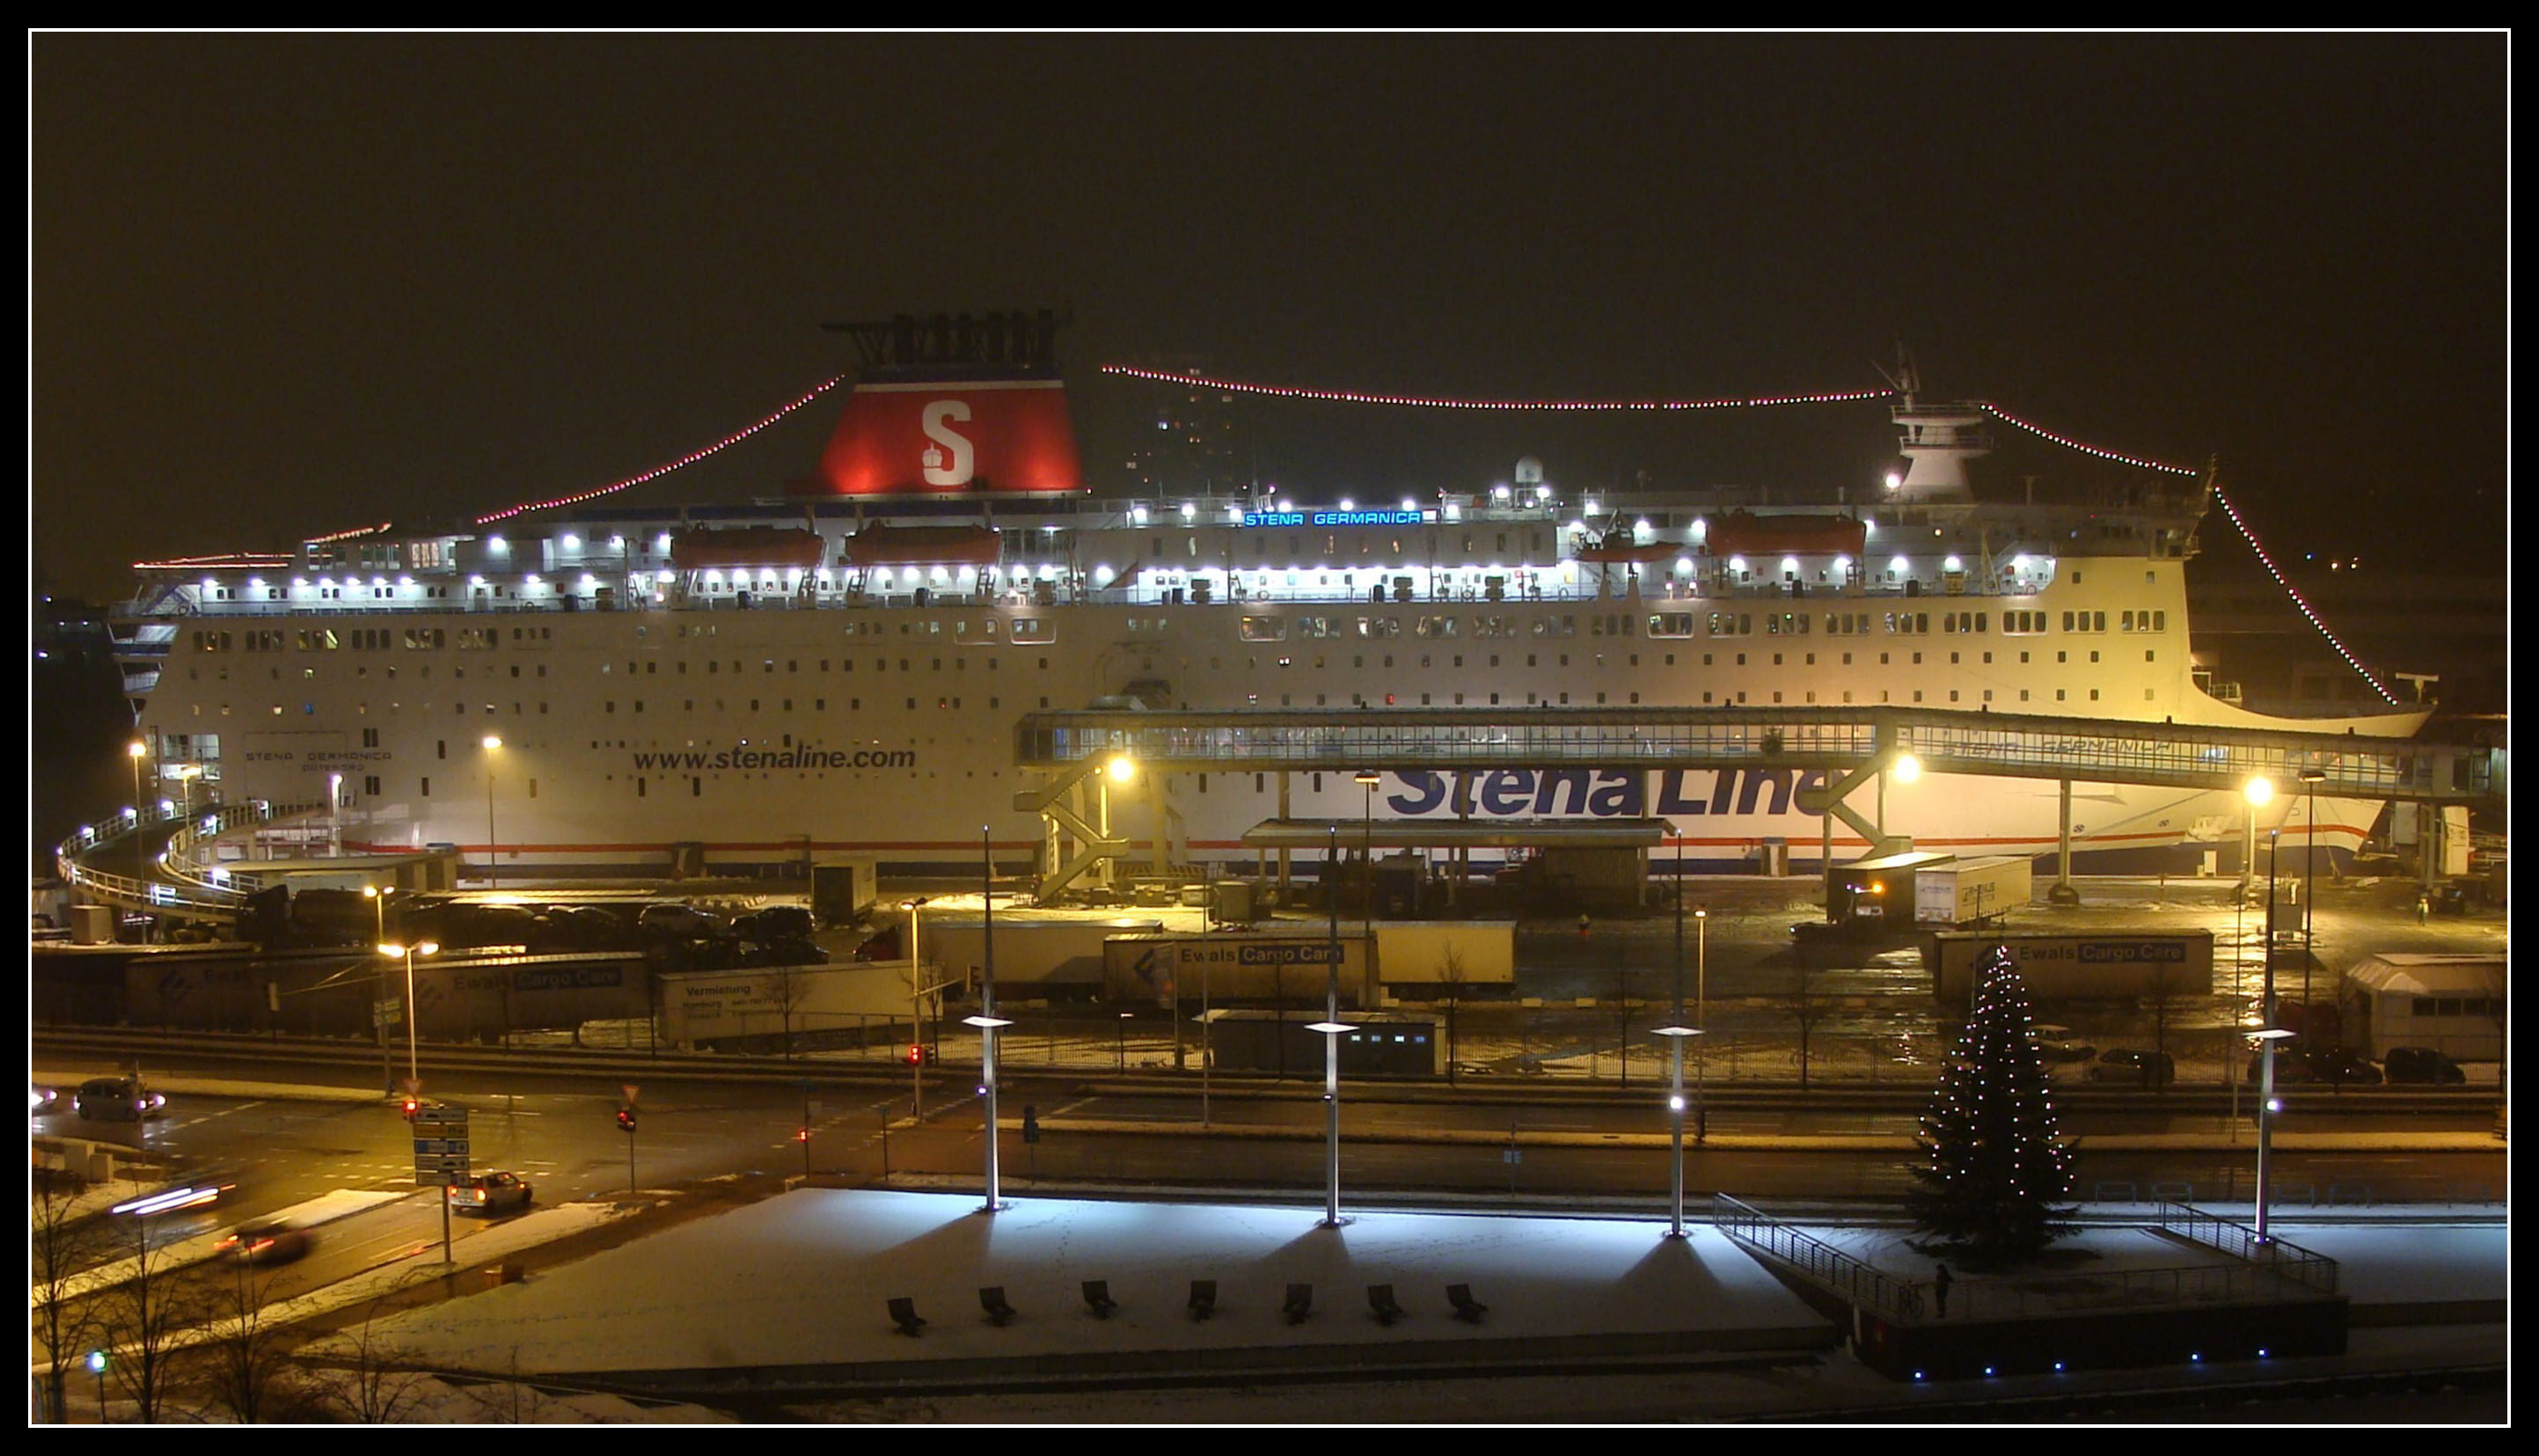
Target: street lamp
x: 1700, y: 1021
x: 1367, y: 779
x: 137, y: 749
x: 2265, y: 1118
x: 916, y: 1013
x: 2267, y: 1032
x: 392, y: 951
x: 1330, y: 1028
x: 379, y: 904
x: 1675, y: 1036
x: 987, y: 1021
x: 2310, y: 780
x: 2257, y: 791
x: 1120, y: 770
x: 493, y: 846
x: 97, y: 1368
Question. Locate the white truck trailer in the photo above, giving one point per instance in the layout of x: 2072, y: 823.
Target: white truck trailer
x: 1969, y: 892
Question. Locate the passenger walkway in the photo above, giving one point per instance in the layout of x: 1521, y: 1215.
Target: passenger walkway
x: 1845, y: 739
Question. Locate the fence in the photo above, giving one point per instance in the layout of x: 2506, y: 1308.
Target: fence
x: 2267, y: 1272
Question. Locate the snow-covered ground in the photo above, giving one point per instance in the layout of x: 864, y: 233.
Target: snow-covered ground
x: 804, y: 1280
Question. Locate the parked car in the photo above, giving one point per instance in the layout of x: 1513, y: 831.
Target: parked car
x: 121, y: 1099
x: 684, y: 921
x: 2332, y: 1065
x: 2139, y: 1068
x: 489, y: 1193
x: 2339, y: 1064
x: 2056, y: 1044
x: 264, y: 1243
x: 2421, y: 1065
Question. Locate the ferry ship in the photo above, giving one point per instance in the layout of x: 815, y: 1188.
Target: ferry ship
x: 602, y: 689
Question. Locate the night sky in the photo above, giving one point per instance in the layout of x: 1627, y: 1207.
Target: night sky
x: 284, y: 285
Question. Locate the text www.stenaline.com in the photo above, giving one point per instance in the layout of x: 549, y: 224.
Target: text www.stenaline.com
x: 781, y: 758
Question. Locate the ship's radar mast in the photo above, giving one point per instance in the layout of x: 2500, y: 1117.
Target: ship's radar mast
x: 1939, y: 439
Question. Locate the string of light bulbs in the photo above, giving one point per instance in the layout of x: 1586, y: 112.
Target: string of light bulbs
x: 2236, y: 520
x: 2268, y: 562
x: 657, y: 471
x: 1434, y: 401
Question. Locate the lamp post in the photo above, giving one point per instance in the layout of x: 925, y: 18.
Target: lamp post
x: 136, y: 749
x: 493, y: 846
x: 916, y: 1014
x: 1120, y: 770
x: 1675, y: 1036
x: 1700, y: 1022
x: 2257, y: 791
x: 2267, y: 1033
x: 97, y: 1368
x: 987, y: 1021
x: 393, y: 949
x: 379, y: 906
x: 2265, y: 1120
x: 1367, y: 779
x: 1330, y: 1028
x: 2310, y: 780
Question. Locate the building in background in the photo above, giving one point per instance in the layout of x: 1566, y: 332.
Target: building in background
x: 1193, y: 440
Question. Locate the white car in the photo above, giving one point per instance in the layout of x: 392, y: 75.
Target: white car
x: 489, y: 1193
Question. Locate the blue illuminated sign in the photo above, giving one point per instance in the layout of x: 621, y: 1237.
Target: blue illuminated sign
x: 1335, y: 518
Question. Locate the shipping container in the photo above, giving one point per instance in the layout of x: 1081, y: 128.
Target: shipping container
x: 2115, y: 966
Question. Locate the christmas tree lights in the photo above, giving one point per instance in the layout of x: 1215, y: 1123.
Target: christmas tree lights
x: 1992, y: 1163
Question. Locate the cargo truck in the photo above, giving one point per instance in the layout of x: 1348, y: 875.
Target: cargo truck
x: 1969, y: 892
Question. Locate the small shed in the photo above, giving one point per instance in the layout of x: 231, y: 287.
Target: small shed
x: 2453, y: 1004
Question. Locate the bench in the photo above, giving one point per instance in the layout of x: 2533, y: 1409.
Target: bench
x: 1097, y: 1297
x: 1300, y: 1303
x: 993, y: 1301
x: 1379, y: 1298
x: 1203, y: 1300
x: 903, y: 1313
x: 1467, y: 1308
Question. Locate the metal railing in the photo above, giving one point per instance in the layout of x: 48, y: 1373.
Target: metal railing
x: 2270, y: 1256
x: 1819, y: 1262
x: 189, y: 888
x: 2260, y: 1273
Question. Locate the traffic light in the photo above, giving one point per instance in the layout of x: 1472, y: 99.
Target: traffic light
x: 1031, y: 1124
x: 801, y: 1134
x: 410, y: 1107
x: 916, y: 1053
x: 626, y: 1118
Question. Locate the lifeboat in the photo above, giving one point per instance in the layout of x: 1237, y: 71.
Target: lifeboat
x: 745, y: 547
x: 1739, y: 534
x: 881, y: 544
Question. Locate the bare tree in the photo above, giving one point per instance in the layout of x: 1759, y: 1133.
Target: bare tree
x: 791, y: 994
x: 241, y: 1350
x: 1807, y: 1010
x: 142, y: 1317
x: 60, y: 1243
x: 1450, y: 975
x: 369, y: 1388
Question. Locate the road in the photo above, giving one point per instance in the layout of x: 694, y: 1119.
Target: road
x: 560, y: 1132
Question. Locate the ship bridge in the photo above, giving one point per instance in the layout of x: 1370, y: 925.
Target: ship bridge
x: 1849, y: 747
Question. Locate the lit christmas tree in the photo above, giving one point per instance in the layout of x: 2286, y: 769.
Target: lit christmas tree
x: 1993, y: 1165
